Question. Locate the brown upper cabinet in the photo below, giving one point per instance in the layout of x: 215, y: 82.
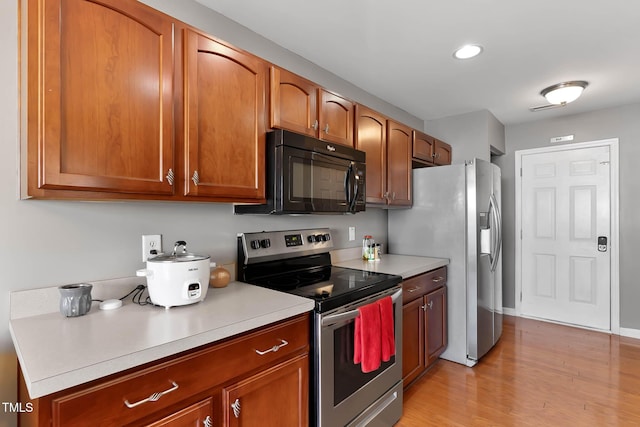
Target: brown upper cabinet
x: 300, y: 105
x: 225, y: 120
x: 399, y: 139
x: 388, y: 147
x: 371, y: 137
x: 428, y: 151
x: 100, y: 97
x: 441, y: 153
x: 121, y: 106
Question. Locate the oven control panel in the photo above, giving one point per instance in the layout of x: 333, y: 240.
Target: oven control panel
x: 265, y: 245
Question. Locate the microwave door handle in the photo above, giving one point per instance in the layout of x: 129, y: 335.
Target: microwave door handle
x: 356, y: 189
x: 347, y: 185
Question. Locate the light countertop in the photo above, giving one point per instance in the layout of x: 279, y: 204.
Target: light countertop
x: 402, y: 265
x: 56, y: 352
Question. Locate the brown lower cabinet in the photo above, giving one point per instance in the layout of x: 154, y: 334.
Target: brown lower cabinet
x: 424, y: 322
x: 222, y: 384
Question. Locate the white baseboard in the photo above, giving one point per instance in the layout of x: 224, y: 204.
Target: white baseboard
x: 509, y: 311
x: 631, y: 333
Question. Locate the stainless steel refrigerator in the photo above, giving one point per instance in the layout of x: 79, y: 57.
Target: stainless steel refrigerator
x: 456, y: 215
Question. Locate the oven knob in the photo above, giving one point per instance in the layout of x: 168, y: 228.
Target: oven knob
x: 255, y: 244
x: 326, y: 237
x: 265, y: 243
x: 311, y: 238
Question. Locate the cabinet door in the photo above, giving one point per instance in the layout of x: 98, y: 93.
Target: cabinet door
x: 423, y: 146
x: 371, y: 137
x: 272, y: 398
x: 100, y: 88
x: 399, y: 143
x: 412, y: 340
x: 442, y: 153
x: 336, y: 118
x: 198, y: 414
x: 294, y: 103
x: 435, y: 324
x: 225, y: 120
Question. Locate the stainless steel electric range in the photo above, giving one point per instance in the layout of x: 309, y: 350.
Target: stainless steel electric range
x: 299, y: 262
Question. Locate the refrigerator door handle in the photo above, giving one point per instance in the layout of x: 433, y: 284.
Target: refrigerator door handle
x: 496, y: 234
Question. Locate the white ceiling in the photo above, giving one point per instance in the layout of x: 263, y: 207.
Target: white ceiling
x: 401, y: 51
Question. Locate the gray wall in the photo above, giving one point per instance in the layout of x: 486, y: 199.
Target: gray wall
x: 474, y: 134
x: 48, y: 243
x: 620, y: 122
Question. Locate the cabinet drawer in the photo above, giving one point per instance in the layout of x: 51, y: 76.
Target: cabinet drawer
x: 105, y: 403
x: 417, y: 286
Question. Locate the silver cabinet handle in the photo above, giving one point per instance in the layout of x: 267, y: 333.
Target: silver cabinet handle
x: 236, y: 408
x: 170, y: 176
x: 154, y: 397
x: 437, y: 279
x: 274, y: 348
x: 331, y: 148
x: 195, y: 178
x: 315, y: 125
x: 413, y: 289
x: 326, y: 128
x: 208, y: 422
x: 429, y: 304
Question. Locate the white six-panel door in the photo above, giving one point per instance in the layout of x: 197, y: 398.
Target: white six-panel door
x: 565, y: 208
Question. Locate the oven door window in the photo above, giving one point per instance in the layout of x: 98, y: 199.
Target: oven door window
x: 348, y: 376
x: 316, y: 182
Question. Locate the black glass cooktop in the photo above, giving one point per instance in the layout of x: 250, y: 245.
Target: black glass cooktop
x: 330, y: 286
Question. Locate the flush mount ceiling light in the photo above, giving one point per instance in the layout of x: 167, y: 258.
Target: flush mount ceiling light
x: 561, y: 94
x: 564, y: 93
x: 467, y: 51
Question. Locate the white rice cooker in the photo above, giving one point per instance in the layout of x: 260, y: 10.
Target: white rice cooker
x: 179, y: 278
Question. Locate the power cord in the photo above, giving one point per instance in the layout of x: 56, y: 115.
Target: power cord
x: 137, y: 293
x: 136, y: 296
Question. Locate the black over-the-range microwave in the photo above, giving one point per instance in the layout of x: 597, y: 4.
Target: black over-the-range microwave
x: 308, y: 175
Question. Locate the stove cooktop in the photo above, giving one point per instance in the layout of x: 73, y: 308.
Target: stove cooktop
x: 331, y: 287
x: 298, y: 262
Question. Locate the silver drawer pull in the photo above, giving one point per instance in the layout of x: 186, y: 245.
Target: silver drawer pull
x: 437, y: 279
x: 413, y: 289
x: 154, y: 397
x: 274, y: 348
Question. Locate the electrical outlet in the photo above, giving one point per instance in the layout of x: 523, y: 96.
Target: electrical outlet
x: 151, y: 246
x: 352, y: 233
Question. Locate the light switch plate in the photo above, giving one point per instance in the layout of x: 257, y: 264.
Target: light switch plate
x: 352, y: 233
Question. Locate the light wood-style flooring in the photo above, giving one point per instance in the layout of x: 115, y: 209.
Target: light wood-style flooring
x: 539, y: 374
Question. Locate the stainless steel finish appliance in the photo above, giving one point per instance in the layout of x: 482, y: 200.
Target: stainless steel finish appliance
x: 298, y: 262
x: 456, y: 215
x: 307, y: 175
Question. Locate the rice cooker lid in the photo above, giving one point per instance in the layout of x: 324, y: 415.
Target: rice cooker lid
x: 183, y: 257
x: 179, y: 256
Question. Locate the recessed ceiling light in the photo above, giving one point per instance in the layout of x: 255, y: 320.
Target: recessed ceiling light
x: 467, y: 51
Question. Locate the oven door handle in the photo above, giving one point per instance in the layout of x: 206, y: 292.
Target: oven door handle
x: 351, y: 314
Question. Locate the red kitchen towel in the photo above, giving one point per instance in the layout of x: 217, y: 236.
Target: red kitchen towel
x: 388, y: 342
x: 366, y: 338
